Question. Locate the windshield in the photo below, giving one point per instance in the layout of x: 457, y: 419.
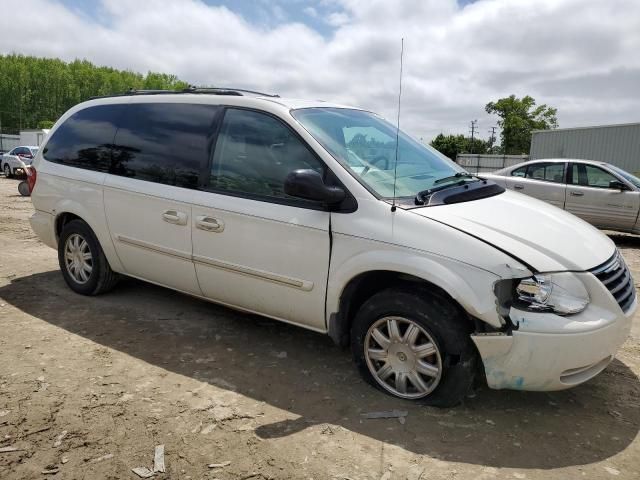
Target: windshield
x: 365, y: 144
x: 626, y: 175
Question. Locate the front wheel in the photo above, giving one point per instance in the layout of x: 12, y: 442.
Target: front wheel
x: 7, y: 170
x: 414, y: 345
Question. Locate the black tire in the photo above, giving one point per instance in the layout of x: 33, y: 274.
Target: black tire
x: 102, y: 278
x: 441, y: 320
x: 23, y: 189
x: 7, y: 170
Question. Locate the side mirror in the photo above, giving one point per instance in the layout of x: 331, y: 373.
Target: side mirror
x: 308, y: 184
x: 618, y: 185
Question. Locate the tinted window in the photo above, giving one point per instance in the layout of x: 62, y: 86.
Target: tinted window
x: 166, y: 143
x: 254, y: 154
x: 519, y: 172
x: 84, y: 139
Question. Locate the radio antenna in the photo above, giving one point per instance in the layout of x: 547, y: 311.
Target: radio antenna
x: 395, y: 166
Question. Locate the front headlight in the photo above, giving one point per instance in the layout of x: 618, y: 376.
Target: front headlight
x: 562, y: 293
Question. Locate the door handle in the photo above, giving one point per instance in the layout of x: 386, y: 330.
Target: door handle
x: 518, y: 187
x: 175, y: 217
x: 209, y: 224
x: 576, y: 194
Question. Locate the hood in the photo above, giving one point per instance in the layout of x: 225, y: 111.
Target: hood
x: 545, y: 237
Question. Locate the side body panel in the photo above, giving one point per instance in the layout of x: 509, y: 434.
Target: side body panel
x: 550, y: 192
x: 61, y: 189
x: 604, y: 207
x: 12, y: 160
x: 366, y: 240
x: 150, y: 226
x: 263, y: 257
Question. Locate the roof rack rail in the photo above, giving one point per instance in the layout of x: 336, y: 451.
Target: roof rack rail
x: 226, y: 91
x: 190, y: 89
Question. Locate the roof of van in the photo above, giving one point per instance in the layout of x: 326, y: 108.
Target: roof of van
x: 221, y: 96
x: 294, y: 103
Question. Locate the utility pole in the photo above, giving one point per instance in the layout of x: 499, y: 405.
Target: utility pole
x: 473, y: 132
x: 492, y: 138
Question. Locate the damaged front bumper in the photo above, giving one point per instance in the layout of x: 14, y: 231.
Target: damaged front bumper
x: 547, y: 351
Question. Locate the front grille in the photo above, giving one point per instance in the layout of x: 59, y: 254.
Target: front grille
x: 615, y: 275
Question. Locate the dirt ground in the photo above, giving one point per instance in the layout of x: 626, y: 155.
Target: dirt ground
x: 89, y: 386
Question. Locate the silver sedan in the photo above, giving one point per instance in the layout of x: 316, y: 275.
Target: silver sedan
x: 17, y: 159
x: 600, y: 193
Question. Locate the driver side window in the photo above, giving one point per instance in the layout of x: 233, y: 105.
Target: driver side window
x: 591, y: 176
x: 254, y: 154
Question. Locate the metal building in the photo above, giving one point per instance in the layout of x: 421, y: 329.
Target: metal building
x: 616, y: 144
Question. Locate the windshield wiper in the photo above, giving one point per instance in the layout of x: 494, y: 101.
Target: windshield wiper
x: 422, y: 196
x: 454, y: 177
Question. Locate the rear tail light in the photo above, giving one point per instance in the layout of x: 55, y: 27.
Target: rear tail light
x: 32, y: 175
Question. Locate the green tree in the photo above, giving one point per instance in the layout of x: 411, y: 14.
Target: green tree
x: 518, y: 118
x: 452, y: 145
x: 36, y: 91
x: 45, y: 124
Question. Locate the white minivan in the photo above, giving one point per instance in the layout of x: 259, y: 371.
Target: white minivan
x: 326, y: 217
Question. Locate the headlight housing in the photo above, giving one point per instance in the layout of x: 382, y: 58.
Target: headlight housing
x: 563, y: 293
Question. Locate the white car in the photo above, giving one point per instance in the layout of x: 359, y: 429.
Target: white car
x: 15, y: 161
x: 251, y: 201
x: 600, y: 193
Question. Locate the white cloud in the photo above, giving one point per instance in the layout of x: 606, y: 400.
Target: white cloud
x: 311, y: 11
x: 337, y: 19
x: 577, y: 55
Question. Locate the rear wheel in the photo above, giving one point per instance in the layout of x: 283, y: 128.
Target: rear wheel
x: 7, y: 170
x: 82, y: 261
x: 414, y: 345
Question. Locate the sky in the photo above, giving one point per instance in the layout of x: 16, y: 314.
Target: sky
x: 580, y: 56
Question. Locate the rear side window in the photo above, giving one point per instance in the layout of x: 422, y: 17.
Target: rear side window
x: 254, y: 154
x: 85, y: 138
x: 519, y: 172
x: 549, y: 172
x: 167, y: 143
